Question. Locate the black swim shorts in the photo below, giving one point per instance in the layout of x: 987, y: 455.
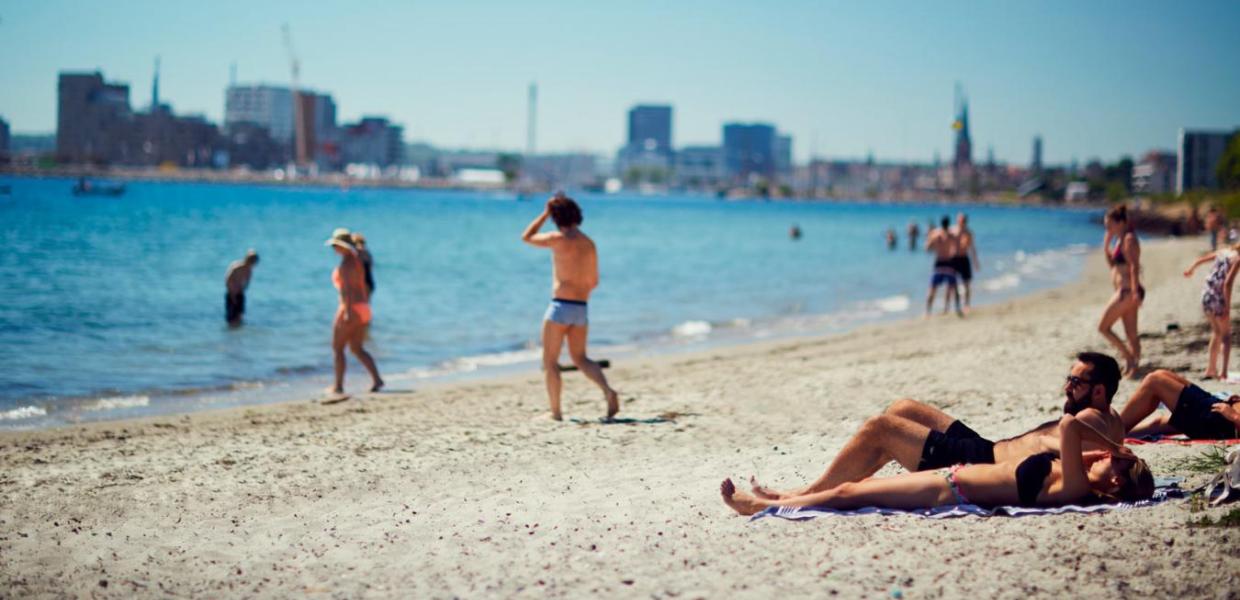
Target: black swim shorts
x: 959, y: 445
x: 1192, y: 416
x: 964, y: 267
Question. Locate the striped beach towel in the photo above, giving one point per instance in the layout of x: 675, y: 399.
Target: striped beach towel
x: 1162, y: 494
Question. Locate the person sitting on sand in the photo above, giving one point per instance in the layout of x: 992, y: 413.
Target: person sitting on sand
x: 235, y: 283
x: 1125, y: 262
x: 574, y: 274
x: 943, y: 244
x: 921, y: 437
x: 1216, y: 303
x: 1194, y: 411
x: 1063, y: 473
x: 353, y: 316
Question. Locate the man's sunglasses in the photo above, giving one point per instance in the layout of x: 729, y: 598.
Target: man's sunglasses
x: 1074, y: 380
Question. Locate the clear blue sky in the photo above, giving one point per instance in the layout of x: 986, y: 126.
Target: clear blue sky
x: 1096, y: 78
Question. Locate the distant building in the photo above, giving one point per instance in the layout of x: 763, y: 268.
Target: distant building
x: 372, y: 141
x: 161, y: 137
x: 700, y: 167
x: 4, y: 140
x: 650, y: 128
x: 251, y: 145
x: 749, y: 150
x: 263, y: 105
x: 572, y: 170
x: 1197, y: 158
x: 93, y: 120
x: 783, y: 154
x: 1155, y: 174
x: 964, y: 143
x: 1035, y: 166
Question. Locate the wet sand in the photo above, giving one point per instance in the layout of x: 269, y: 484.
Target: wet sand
x: 466, y: 490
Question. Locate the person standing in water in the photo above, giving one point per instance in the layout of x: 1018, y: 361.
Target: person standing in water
x: 235, y: 283
x: 891, y: 238
x: 1122, y: 251
x: 359, y: 242
x: 966, y: 257
x: 353, y: 316
x: 574, y: 274
x: 913, y: 233
x: 943, y: 244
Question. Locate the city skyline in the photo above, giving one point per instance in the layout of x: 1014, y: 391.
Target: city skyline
x: 1099, y: 83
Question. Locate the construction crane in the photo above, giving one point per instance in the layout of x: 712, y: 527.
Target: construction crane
x: 301, y: 149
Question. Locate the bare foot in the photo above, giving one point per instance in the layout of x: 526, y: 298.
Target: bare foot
x: 377, y: 386
x: 1130, y: 369
x: 555, y: 416
x: 333, y: 390
x: 613, y: 403
x: 762, y: 491
x: 740, y: 502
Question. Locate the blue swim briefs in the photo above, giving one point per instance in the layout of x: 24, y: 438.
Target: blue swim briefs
x: 567, y: 312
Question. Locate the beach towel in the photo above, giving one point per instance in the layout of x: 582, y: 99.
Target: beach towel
x: 1167, y: 490
x: 1177, y: 439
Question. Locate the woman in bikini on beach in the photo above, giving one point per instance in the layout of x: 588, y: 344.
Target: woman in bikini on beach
x: 1216, y: 303
x: 1125, y: 262
x: 1069, y: 476
x: 353, y: 316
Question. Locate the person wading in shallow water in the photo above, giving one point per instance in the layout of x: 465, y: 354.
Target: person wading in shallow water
x: 235, y: 283
x: 574, y: 274
x: 943, y: 244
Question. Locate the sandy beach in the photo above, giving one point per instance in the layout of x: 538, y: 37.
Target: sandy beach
x: 464, y: 490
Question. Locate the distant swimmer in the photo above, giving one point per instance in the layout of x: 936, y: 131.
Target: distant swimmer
x: 235, y: 283
x: 359, y: 242
x: 943, y: 244
x: 353, y: 316
x: 574, y: 274
x: 794, y: 232
x: 966, y: 257
x: 913, y: 233
x: 1125, y: 263
x: 891, y: 238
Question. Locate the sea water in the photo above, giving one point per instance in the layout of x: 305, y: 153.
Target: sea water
x: 115, y: 305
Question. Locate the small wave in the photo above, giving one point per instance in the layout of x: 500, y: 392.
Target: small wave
x: 25, y: 412
x: 467, y: 364
x: 692, y: 329
x: 116, y: 402
x: 1003, y: 282
x: 298, y: 370
x: 893, y: 304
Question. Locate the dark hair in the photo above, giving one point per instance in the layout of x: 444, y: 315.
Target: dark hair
x: 564, y: 212
x: 1138, y: 483
x: 946, y: 221
x: 1103, y: 370
x: 1118, y: 213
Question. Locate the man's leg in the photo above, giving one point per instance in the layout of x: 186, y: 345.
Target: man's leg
x: 553, y: 339
x: 923, y: 414
x: 577, y: 336
x: 1160, y: 387
x: 879, y: 441
x: 930, y: 298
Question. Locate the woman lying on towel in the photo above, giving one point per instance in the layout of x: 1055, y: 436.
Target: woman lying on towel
x: 1044, y: 479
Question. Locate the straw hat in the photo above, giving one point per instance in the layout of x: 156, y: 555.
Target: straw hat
x: 341, y: 237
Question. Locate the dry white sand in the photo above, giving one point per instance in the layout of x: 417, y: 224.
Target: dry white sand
x: 458, y: 490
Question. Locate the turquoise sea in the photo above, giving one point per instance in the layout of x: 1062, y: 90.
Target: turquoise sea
x: 115, y: 305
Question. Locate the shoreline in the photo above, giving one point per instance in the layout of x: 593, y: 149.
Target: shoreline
x: 464, y: 490
x: 666, y: 345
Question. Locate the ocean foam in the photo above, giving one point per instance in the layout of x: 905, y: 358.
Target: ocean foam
x: 116, y: 402
x: 25, y: 412
x: 893, y: 304
x: 692, y: 329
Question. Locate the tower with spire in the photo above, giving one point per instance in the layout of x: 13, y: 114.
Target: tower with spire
x: 155, y: 88
x: 964, y: 144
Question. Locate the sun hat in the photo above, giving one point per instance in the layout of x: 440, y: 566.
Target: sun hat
x: 341, y: 237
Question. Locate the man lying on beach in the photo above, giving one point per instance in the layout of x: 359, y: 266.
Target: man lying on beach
x: 1065, y: 473
x: 574, y: 274
x: 1194, y: 411
x: 921, y: 437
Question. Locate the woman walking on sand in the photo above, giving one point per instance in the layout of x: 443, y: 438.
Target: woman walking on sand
x: 353, y: 316
x: 1040, y: 480
x: 1125, y: 262
x: 1216, y: 303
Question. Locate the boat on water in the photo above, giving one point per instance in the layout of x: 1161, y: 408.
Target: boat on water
x: 86, y: 187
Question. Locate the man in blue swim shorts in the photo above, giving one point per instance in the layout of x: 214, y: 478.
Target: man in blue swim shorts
x: 574, y: 274
x: 945, y: 245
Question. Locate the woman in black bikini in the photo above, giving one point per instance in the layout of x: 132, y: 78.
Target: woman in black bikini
x: 1039, y: 480
x: 1125, y: 262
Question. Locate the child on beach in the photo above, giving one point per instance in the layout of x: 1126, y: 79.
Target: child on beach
x: 1216, y: 303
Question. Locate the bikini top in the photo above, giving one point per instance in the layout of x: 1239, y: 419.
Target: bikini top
x: 1117, y: 257
x: 1030, y: 475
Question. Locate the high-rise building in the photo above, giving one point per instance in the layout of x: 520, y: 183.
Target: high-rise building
x: 749, y: 150
x: 1035, y: 166
x: 263, y: 105
x: 783, y: 154
x: 93, y: 119
x: 4, y: 140
x: 700, y: 167
x: 372, y: 141
x: 650, y: 128
x: 1197, y: 159
x: 1155, y: 174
